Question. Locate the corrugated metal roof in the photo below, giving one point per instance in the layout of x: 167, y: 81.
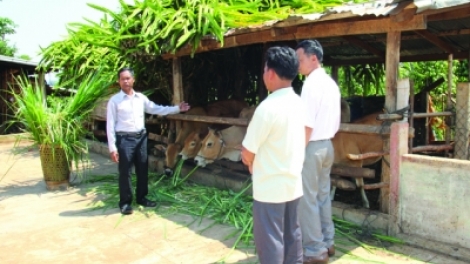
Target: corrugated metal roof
x: 376, y: 8
x: 413, y: 46
x: 13, y: 60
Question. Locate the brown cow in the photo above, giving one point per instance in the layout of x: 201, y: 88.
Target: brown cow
x: 192, y: 144
x: 223, y: 108
x: 348, y: 143
x: 224, y: 144
x: 172, y: 150
x: 226, y: 108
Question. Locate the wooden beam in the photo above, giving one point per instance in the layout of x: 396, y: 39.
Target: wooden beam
x: 353, y: 172
x: 372, y: 186
x: 433, y: 85
x: 454, y: 13
x: 433, y: 148
x: 177, y: 82
x: 177, y: 96
x: 411, y: 58
x: 364, y: 129
x: 455, y: 32
x: 403, y: 12
x: 391, y: 69
x: 392, y: 61
x: 394, y: 117
x: 371, y: 26
x: 356, y: 41
x: 436, y: 41
x: 210, y: 119
x: 311, y: 30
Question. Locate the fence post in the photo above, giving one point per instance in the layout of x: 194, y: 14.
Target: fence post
x: 462, y: 127
x: 398, y: 148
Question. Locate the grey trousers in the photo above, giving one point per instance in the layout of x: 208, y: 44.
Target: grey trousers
x: 315, y: 206
x: 277, y: 233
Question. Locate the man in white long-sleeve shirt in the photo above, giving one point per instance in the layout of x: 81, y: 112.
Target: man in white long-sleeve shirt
x: 127, y: 138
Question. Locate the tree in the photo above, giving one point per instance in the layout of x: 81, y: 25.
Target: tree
x: 7, y: 27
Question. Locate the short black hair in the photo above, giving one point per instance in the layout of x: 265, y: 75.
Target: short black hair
x: 129, y: 69
x: 283, y: 61
x: 311, y: 47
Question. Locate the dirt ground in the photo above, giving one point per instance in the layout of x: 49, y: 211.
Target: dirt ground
x: 39, y: 226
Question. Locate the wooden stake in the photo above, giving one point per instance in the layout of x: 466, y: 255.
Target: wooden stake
x: 392, y: 58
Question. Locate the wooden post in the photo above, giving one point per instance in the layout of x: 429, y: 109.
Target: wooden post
x: 403, y: 95
x: 412, y: 111
x: 462, y: 129
x: 177, y: 93
x: 42, y: 83
x: 335, y: 72
x: 391, y: 65
x: 449, y: 101
x: 398, y: 147
x: 262, y: 91
x: 177, y: 81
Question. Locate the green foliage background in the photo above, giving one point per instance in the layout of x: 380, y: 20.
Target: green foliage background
x: 7, y: 27
x: 137, y: 34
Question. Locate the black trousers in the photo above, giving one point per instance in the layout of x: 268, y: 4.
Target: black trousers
x: 132, y: 151
x: 276, y: 228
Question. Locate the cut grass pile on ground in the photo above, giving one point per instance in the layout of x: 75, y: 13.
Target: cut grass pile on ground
x: 177, y: 195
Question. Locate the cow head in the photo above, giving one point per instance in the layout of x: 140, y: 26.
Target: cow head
x: 171, y: 157
x: 192, y: 145
x: 211, y: 148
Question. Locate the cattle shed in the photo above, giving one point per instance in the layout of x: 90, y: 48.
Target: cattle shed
x: 388, y: 32
x: 10, y: 68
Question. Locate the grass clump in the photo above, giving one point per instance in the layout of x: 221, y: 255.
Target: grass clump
x: 177, y: 195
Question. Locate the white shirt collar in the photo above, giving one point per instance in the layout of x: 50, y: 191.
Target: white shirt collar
x: 123, y: 94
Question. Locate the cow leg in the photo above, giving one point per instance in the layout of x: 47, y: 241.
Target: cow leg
x: 360, y: 185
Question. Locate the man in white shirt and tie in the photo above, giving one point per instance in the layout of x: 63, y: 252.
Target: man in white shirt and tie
x: 127, y: 138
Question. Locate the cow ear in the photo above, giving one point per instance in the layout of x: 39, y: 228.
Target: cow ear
x: 203, y: 134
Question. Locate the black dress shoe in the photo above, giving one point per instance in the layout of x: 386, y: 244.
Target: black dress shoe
x: 147, y: 203
x: 126, y: 209
x: 322, y: 259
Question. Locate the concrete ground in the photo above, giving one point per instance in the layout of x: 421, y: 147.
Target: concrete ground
x: 39, y: 226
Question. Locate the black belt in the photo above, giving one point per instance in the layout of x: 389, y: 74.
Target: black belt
x: 134, y: 134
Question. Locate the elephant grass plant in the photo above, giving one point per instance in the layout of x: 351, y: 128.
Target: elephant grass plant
x: 59, y: 121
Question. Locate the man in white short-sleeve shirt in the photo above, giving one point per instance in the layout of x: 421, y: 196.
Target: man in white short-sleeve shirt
x: 323, y: 100
x: 274, y: 148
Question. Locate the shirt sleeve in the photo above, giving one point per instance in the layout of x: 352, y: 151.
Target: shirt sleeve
x: 155, y: 109
x: 110, y: 125
x: 257, y: 132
